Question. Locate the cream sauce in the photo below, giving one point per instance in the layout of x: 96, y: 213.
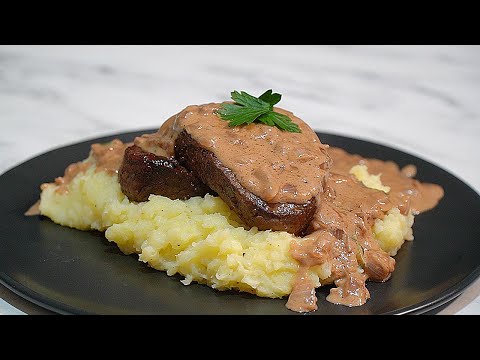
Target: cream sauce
x: 277, y: 166
x: 405, y: 192
x: 106, y: 157
x: 33, y: 210
x: 343, y: 223
x: 159, y: 143
x: 315, y: 249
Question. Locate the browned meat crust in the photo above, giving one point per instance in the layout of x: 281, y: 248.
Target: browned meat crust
x: 143, y: 173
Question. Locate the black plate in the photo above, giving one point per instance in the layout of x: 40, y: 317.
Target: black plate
x: 70, y: 271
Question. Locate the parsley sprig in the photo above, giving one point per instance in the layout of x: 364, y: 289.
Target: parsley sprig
x: 248, y: 108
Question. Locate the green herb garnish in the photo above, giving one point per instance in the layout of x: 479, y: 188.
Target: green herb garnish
x: 248, y: 108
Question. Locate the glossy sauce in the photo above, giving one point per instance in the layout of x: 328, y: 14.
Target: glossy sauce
x: 343, y: 227
x: 276, y: 165
x: 106, y: 157
x: 405, y: 192
x: 33, y: 210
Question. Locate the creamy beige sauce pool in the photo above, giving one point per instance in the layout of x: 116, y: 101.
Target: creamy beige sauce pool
x: 276, y: 165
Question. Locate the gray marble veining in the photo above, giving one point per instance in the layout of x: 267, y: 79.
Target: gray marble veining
x: 420, y: 99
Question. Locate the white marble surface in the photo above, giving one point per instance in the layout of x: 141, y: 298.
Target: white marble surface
x: 420, y: 99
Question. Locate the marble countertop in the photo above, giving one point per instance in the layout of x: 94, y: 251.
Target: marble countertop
x: 420, y: 99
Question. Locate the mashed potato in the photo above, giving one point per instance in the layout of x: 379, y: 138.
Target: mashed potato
x: 369, y: 180
x: 393, y: 230
x: 199, y: 238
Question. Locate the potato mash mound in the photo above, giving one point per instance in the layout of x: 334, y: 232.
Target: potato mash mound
x: 199, y: 238
x: 393, y: 230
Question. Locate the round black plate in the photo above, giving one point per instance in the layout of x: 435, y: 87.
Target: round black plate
x: 76, y: 272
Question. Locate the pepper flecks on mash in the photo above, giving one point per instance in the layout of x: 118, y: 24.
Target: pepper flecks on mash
x: 243, y: 195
